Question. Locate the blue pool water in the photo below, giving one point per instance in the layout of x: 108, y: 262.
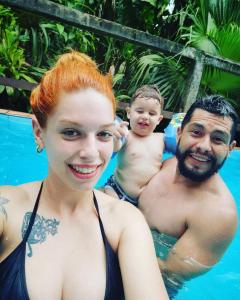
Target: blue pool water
x: 20, y: 163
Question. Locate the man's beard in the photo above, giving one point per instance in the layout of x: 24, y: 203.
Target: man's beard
x: 193, y: 174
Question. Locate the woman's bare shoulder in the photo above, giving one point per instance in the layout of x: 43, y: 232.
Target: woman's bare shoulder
x: 19, y: 193
x: 122, y: 211
x: 120, y: 218
x: 14, y: 202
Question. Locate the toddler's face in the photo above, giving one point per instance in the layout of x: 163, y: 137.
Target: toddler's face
x: 144, y: 115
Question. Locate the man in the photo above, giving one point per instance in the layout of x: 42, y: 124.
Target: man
x: 187, y: 201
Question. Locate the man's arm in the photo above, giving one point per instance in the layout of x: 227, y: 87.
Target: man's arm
x: 201, y: 246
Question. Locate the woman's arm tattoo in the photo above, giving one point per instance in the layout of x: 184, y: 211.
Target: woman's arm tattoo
x: 3, y: 201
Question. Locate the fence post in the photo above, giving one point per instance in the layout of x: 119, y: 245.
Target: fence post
x: 195, y: 76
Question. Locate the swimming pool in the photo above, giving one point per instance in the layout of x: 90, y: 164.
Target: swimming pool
x: 20, y: 163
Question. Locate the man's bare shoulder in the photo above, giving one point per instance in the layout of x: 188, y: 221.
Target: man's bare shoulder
x: 226, y: 211
x: 218, y: 211
x: 164, y: 176
x: 216, y: 189
x: 169, y: 167
x: 170, y: 162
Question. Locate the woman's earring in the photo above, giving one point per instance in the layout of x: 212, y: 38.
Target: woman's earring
x: 39, y: 149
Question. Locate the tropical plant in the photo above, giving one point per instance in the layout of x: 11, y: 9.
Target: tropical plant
x: 28, y: 46
x: 12, y: 53
x: 208, y: 25
x: 216, y: 29
x: 168, y: 73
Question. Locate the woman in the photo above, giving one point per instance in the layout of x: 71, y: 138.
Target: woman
x: 60, y: 239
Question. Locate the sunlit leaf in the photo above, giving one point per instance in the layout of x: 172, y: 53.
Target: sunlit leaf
x: 2, y: 88
x: 10, y: 90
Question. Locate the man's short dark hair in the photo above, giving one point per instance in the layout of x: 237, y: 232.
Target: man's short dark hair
x: 215, y: 104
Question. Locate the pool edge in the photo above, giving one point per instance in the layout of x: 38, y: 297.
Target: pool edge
x: 28, y: 115
x: 15, y: 113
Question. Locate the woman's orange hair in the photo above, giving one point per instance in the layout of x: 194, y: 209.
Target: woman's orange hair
x: 72, y: 71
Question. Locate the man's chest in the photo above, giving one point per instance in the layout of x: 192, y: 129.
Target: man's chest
x: 167, y: 210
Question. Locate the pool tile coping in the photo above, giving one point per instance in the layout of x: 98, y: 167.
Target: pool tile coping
x: 15, y: 113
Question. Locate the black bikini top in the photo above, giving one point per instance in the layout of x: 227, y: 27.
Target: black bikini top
x: 12, y: 268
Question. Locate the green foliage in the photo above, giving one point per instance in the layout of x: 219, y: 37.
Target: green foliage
x: 37, y: 42
x: 225, y: 12
x: 12, y: 53
x: 216, y: 29
x: 30, y: 44
x: 52, y: 39
x: 168, y: 73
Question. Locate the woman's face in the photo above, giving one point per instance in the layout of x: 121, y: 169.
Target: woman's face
x: 79, y: 138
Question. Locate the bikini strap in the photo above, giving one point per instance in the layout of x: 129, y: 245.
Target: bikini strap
x: 33, y: 215
x: 99, y: 218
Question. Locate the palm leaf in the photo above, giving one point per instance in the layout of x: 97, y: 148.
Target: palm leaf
x: 228, y: 40
x: 167, y: 73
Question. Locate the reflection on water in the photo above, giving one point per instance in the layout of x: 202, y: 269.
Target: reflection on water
x: 163, y: 244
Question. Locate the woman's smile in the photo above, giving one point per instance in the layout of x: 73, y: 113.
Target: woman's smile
x: 84, y: 171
